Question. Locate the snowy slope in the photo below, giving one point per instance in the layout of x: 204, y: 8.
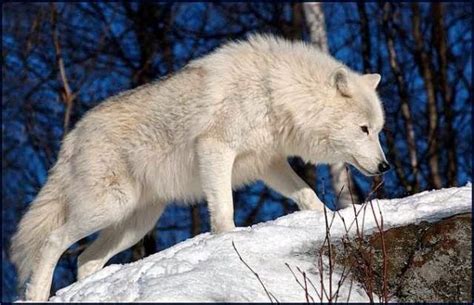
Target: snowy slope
x: 207, y: 268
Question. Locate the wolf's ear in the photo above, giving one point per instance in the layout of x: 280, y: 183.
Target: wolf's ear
x: 339, y: 80
x: 372, y: 79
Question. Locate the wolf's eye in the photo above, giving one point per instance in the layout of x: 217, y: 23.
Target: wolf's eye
x: 365, y: 129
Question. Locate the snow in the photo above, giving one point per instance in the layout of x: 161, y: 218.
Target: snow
x: 206, y: 268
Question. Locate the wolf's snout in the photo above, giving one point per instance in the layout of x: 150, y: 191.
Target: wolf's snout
x: 384, y: 167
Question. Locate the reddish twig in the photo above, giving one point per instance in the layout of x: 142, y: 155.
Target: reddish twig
x: 305, y: 287
x: 384, y: 251
x: 269, y: 294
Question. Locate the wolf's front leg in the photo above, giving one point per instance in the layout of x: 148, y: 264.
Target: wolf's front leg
x: 283, y: 179
x: 215, y: 168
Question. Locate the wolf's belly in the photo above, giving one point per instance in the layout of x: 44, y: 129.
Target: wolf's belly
x: 176, y: 177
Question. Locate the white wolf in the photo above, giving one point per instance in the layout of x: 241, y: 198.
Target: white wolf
x: 227, y: 119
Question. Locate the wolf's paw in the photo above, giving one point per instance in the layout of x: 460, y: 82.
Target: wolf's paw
x: 33, y: 294
x: 222, y: 227
x: 307, y: 200
x: 316, y: 207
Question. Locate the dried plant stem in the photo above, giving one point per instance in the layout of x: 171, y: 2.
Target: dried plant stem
x: 270, y: 296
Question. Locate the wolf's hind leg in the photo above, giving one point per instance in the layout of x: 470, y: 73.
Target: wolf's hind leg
x: 98, y: 209
x: 117, y: 238
x: 58, y: 241
x: 283, y: 179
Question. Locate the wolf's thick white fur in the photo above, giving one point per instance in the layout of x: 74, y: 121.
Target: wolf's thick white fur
x: 225, y: 120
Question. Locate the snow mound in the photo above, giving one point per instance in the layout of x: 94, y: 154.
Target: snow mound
x: 206, y: 268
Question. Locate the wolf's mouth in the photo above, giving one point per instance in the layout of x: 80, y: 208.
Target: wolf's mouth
x: 361, y: 168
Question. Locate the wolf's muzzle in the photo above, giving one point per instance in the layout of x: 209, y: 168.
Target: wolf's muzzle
x: 384, y: 167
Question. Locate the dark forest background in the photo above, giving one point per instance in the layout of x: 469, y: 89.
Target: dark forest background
x: 61, y: 59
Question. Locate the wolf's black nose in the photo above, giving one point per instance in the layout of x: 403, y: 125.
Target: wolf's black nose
x: 383, y: 167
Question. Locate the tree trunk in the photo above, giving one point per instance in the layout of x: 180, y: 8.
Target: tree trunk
x: 439, y: 41
x: 366, y: 56
x: 424, y: 64
x: 413, y: 187
x: 365, y: 33
x: 314, y: 16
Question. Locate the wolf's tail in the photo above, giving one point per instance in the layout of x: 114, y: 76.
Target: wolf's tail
x: 46, y: 213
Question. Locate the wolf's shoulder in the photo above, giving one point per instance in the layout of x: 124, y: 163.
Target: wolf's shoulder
x: 265, y: 47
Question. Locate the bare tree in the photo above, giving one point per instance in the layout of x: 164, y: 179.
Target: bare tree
x: 404, y: 99
x: 66, y: 93
x: 424, y: 63
x: 442, y: 85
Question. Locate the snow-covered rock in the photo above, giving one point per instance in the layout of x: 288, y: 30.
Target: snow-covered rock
x: 207, y: 268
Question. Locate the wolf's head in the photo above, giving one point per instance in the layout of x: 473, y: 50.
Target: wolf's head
x: 361, y: 118
x: 339, y: 121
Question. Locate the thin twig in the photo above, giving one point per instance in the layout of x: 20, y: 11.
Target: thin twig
x: 269, y: 294
x: 350, y: 289
x: 306, y: 294
x: 384, y: 251
x: 328, y: 239
x: 305, y: 288
x: 67, y: 94
x: 314, y: 287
